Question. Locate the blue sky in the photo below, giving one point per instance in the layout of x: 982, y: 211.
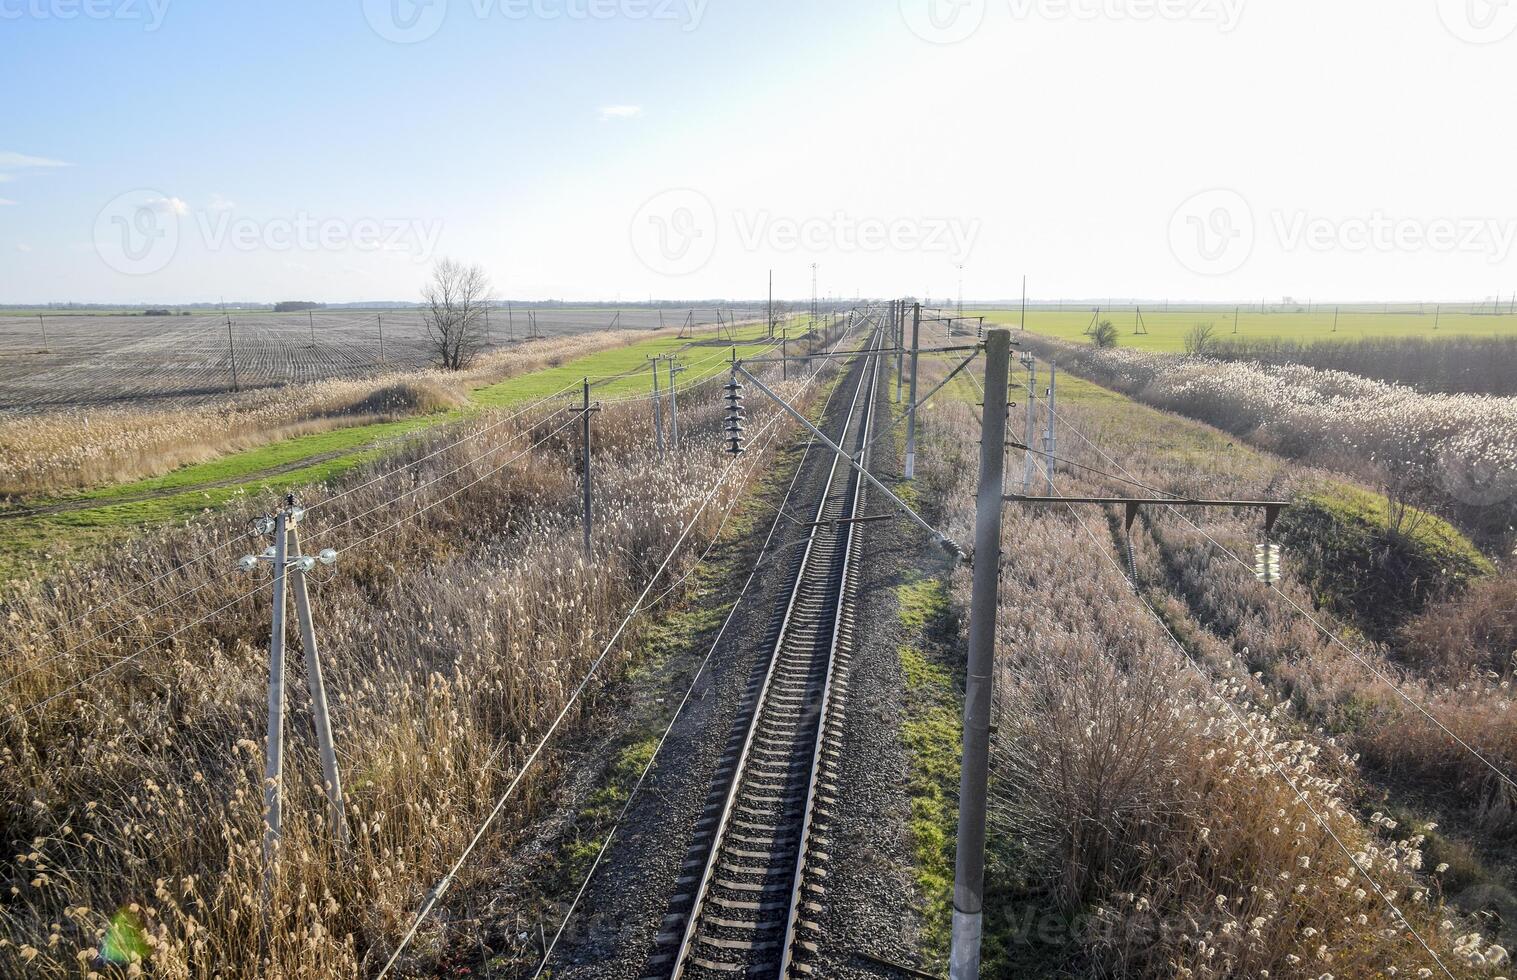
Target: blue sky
x: 633, y: 148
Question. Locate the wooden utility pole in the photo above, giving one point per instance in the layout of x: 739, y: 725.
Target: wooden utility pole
x: 43, y: 323
x: 311, y: 323
x: 231, y: 348
x: 381, y: 317
x: 969, y: 868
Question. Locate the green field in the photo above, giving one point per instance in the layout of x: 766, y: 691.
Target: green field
x: 1166, y: 331
x: 313, y: 459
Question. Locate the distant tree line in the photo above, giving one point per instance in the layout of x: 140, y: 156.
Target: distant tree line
x: 297, y: 306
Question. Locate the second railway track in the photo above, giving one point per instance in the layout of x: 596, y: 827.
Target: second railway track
x: 756, y: 873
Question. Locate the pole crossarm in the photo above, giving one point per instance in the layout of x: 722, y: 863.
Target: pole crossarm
x: 900, y: 504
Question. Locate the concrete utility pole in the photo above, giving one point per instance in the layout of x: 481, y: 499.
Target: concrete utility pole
x: 273, y: 773
x: 43, y: 324
x: 1030, y: 467
x: 674, y: 372
x: 658, y: 410
x: 969, y: 869
x: 290, y: 568
x: 381, y: 317
x: 1050, y: 438
x: 311, y: 322
x: 321, y: 716
x: 898, y: 311
x: 785, y: 355
x: 585, y: 431
x: 911, y: 412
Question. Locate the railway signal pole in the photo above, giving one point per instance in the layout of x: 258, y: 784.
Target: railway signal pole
x: 969, y: 858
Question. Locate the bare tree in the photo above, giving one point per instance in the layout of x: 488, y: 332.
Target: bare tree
x: 779, y: 311
x: 1201, y: 339
x: 456, y: 300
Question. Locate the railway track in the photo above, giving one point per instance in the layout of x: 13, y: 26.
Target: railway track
x: 756, y: 872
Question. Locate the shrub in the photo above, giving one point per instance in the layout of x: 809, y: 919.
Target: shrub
x: 1370, y: 571
x: 1104, y: 336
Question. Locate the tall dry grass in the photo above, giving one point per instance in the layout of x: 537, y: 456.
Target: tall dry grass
x: 78, y: 449
x: 1454, y: 454
x: 1178, y: 820
x: 133, y: 801
x: 1451, y: 365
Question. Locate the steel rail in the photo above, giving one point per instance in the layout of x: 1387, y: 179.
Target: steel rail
x: 685, y: 960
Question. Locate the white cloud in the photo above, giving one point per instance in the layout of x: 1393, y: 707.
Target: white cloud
x: 11, y: 160
x: 23, y: 247
x: 620, y: 112
x: 219, y: 203
x: 6, y: 202
x: 167, y: 205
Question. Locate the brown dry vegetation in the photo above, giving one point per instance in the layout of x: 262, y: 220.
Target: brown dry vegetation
x: 1159, y: 815
x: 82, y: 448
x: 131, y: 772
